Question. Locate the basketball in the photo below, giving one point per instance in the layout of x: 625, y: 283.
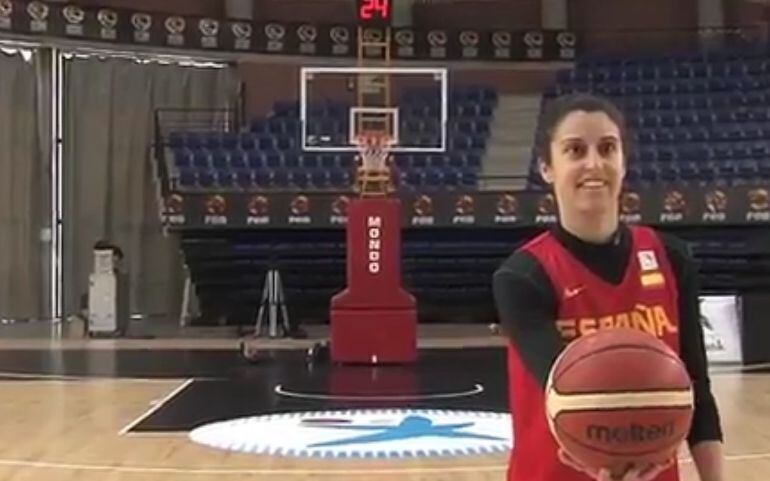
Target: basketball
x: 619, y: 397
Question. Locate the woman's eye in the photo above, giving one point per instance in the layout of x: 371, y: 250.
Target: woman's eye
x: 607, y: 149
x: 574, y: 150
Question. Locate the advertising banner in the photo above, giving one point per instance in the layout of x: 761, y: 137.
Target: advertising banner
x: 721, y: 322
x: 658, y: 205
x: 129, y: 27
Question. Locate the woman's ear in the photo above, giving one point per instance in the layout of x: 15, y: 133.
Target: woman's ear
x: 546, y: 172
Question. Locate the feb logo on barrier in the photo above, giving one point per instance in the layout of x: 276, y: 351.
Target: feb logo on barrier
x: 382, y: 434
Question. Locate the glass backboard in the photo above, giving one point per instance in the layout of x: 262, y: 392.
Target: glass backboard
x: 339, y: 103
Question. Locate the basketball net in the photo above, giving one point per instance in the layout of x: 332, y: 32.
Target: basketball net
x: 373, y: 175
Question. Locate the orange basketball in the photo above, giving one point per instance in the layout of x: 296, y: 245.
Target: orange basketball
x: 619, y: 397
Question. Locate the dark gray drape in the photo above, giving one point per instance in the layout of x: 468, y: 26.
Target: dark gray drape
x: 24, y: 184
x: 110, y: 189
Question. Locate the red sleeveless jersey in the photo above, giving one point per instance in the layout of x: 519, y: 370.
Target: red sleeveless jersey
x: 646, y: 299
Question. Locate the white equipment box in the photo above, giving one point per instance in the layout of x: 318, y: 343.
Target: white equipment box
x: 108, y: 307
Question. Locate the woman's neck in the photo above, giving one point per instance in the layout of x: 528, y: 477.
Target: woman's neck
x: 591, y: 227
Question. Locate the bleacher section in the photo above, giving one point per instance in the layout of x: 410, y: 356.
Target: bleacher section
x: 449, y: 271
x: 267, y: 154
x: 693, y: 119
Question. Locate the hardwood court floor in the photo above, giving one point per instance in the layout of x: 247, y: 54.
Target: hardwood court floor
x: 73, y: 428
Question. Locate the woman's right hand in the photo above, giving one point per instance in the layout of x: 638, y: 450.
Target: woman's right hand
x: 644, y: 473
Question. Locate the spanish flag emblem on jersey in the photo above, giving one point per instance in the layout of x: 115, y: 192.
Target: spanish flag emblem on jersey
x: 650, y: 275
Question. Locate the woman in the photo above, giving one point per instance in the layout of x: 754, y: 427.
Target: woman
x: 590, y: 267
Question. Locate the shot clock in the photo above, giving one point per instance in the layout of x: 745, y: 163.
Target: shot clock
x: 375, y: 13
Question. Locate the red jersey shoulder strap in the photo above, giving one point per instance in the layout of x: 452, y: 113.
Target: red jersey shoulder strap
x: 538, y: 243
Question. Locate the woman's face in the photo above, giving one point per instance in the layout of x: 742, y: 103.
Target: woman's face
x: 587, y: 165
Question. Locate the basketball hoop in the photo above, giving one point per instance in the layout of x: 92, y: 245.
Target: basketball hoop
x: 373, y: 150
x: 374, y: 177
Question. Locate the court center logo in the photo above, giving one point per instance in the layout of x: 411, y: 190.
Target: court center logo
x: 387, y: 433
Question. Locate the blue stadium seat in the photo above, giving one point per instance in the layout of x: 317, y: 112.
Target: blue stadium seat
x: 247, y: 140
x: 244, y: 179
x: 229, y: 140
x: 276, y: 127
x: 438, y: 161
x: 760, y: 150
x: 263, y: 177
x: 752, y: 131
x: 266, y: 143
x: 274, y: 160
x: 452, y: 178
x: 239, y: 159
x: 291, y: 125
x: 256, y: 159
x: 764, y: 168
x: 481, y: 127
x: 299, y: 178
x: 187, y: 178
x: 285, y: 143
x: 339, y: 177
x: 668, y: 172
x: 309, y: 161
x: 402, y: 161
x: 473, y: 160
x: 290, y: 161
x: 695, y: 152
x: 461, y: 142
x: 220, y: 159
x: 726, y: 170
x: 320, y: 178
x: 469, y: 178
x: 706, y: 171
x: 182, y: 157
x: 748, y: 169
x: 688, y: 171
x: 328, y: 161
x: 722, y: 152
x: 418, y: 161
x: 412, y: 178
x: 649, y: 173
x: 201, y: 159
x: 647, y: 155
x: 433, y: 178
x: 225, y: 178
x: 281, y: 178
x: 680, y: 135
x: 206, y: 178
x: 464, y: 127
x: 457, y: 160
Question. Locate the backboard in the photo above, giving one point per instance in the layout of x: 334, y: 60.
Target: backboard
x: 339, y: 103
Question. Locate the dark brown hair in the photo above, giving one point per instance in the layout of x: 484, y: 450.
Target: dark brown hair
x: 558, y: 108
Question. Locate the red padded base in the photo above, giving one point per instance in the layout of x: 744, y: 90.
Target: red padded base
x: 373, y: 336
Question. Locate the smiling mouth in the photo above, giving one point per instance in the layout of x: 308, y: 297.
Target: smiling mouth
x: 592, y: 184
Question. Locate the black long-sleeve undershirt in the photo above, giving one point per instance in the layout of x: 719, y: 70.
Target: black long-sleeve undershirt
x: 527, y: 306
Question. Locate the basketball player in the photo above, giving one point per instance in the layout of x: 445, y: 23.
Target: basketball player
x: 552, y: 290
